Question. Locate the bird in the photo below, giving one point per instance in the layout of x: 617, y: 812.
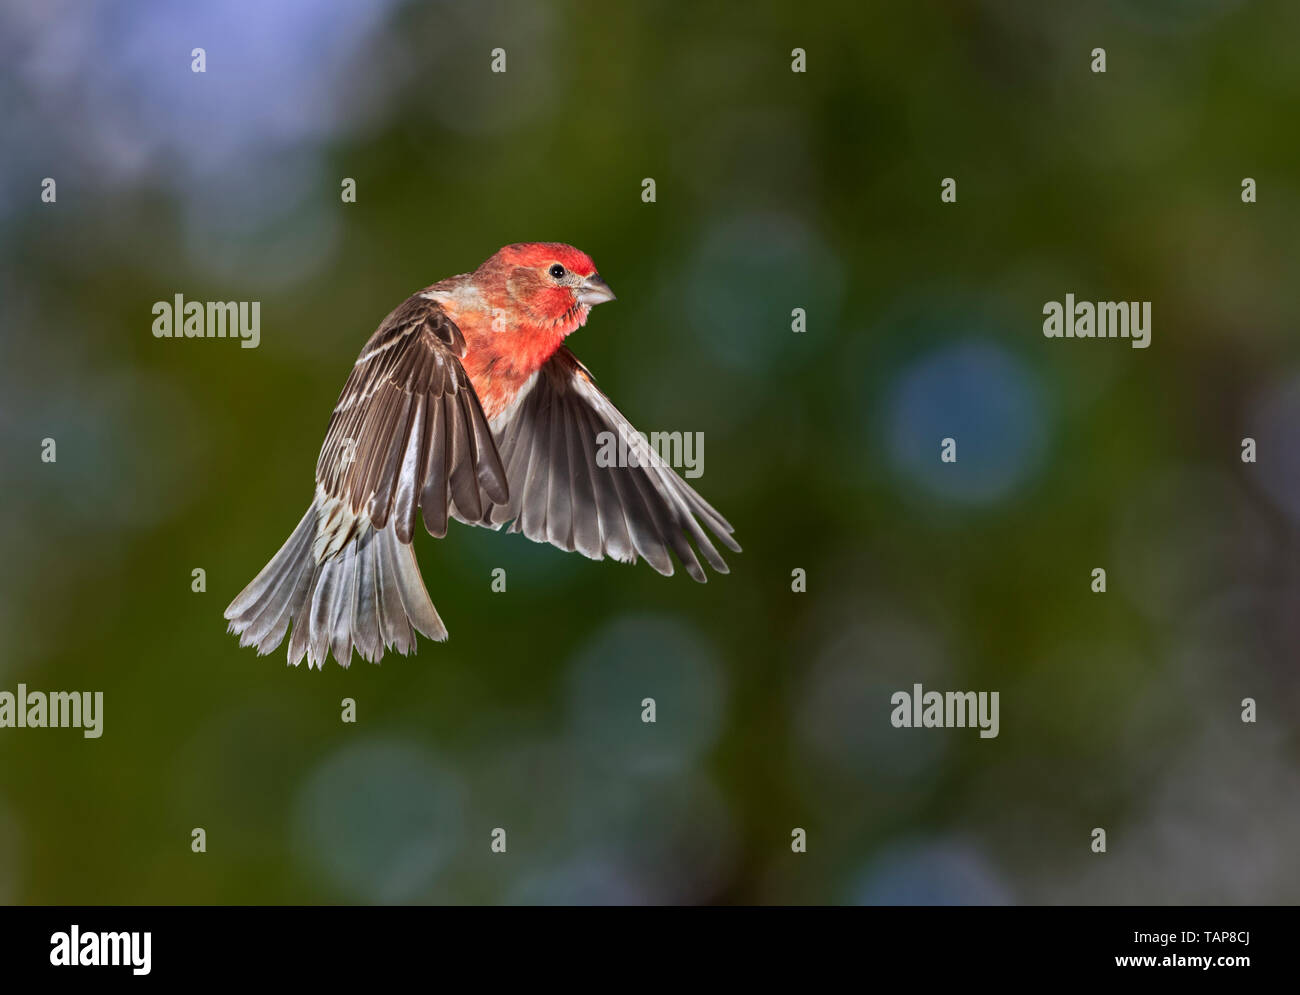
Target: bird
x: 466, y: 404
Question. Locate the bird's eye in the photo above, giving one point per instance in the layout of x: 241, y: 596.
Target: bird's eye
x: 557, y: 271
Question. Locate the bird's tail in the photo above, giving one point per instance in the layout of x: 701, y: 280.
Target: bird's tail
x: 369, y: 594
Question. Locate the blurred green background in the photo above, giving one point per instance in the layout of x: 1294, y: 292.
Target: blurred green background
x: 775, y: 190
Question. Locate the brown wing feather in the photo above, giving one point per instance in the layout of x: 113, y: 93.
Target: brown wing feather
x: 408, y: 430
x: 560, y: 494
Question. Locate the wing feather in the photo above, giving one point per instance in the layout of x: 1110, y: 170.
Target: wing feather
x: 561, y: 493
x: 408, y: 434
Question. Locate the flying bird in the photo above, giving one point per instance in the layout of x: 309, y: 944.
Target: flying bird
x: 466, y: 404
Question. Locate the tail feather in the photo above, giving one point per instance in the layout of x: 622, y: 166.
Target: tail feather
x: 345, y: 605
x: 365, y: 634
x: 369, y: 596
x: 270, y: 585
x: 393, y: 625
x: 296, y: 593
x: 301, y: 630
x: 318, y: 615
x: 419, y: 610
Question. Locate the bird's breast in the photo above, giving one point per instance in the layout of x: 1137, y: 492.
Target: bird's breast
x: 499, y: 380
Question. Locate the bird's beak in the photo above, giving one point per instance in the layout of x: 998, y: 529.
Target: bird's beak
x: 594, y: 290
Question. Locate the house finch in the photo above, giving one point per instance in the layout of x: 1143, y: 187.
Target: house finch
x: 466, y: 404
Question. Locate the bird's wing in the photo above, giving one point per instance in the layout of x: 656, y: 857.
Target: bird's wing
x: 563, y: 490
x: 408, y: 432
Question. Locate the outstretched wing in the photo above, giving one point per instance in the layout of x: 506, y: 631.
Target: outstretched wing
x: 408, y: 432
x: 562, y: 494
